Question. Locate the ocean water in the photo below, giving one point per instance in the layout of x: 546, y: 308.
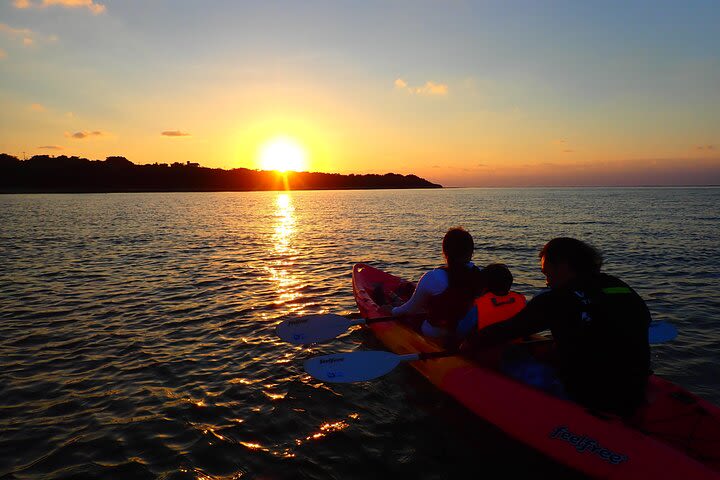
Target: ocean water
x: 137, y: 341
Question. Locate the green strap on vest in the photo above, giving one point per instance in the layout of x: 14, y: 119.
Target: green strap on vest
x: 615, y: 290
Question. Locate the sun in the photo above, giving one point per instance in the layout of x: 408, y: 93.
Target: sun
x: 282, y: 154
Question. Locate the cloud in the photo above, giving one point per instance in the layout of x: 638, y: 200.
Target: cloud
x: 3, y: 54
x: 36, y: 107
x: 174, y: 133
x: 400, y: 83
x: 25, y: 35
x: 430, y: 88
x: 84, y: 134
x: 15, y: 33
x: 95, y: 8
x: 705, y: 147
x: 51, y: 147
x: 568, y: 151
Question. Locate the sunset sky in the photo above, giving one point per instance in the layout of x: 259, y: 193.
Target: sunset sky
x: 464, y: 93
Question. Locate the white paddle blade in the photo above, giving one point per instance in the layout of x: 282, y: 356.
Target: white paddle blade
x: 312, y: 328
x: 660, y: 332
x: 351, y: 367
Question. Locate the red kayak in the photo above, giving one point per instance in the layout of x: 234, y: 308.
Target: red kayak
x: 676, y: 435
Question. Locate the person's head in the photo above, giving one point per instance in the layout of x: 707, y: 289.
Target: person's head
x: 457, y: 246
x: 564, y: 259
x: 499, y: 278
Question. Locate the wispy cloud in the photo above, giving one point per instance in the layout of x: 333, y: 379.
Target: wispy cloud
x: 705, y: 147
x: 17, y: 33
x: 25, y: 35
x: 174, y: 133
x: 3, y: 54
x: 563, y: 144
x: 95, y: 8
x: 51, y: 147
x: 84, y: 134
x: 430, y: 88
x: 36, y: 107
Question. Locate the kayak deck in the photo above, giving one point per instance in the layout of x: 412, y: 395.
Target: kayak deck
x: 676, y: 434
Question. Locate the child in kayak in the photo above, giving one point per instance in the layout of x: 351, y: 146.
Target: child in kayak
x: 499, y: 302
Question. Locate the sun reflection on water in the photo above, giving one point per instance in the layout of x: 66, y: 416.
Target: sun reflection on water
x: 285, y: 226
x: 281, y: 270
x: 326, y: 429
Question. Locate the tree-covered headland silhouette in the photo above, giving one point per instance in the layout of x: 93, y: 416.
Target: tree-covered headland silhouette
x: 44, y: 173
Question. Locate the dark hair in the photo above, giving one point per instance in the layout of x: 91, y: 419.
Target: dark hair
x: 458, y: 246
x: 581, y: 257
x: 499, y: 278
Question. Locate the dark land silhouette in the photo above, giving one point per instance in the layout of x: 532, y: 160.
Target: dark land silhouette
x: 63, y: 174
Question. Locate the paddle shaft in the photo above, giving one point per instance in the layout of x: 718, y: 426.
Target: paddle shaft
x: 440, y: 354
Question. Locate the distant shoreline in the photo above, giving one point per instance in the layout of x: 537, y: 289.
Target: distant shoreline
x: 62, y: 174
x: 6, y: 191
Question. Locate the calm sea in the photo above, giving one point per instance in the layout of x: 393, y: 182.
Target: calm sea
x: 136, y: 330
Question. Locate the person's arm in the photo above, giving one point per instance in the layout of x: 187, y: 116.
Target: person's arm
x: 532, y: 319
x: 426, y: 287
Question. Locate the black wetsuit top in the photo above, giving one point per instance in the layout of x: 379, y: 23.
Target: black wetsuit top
x: 600, y: 329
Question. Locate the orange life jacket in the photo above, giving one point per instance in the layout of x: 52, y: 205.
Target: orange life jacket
x: 493, y: 308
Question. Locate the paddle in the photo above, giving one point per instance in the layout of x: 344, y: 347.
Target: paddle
x: 320, y: 327
x: 660, y: 332
x: 326, y: 326
x: 362, y: 365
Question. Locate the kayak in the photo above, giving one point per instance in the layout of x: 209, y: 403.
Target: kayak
x: 675, y: 435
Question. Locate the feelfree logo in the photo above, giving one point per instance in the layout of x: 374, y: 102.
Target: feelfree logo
x: 331, y: 360
x: 583, y: 443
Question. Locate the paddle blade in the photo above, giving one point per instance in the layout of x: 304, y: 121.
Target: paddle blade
x: 660, y: 332
x: 351, y: 367
x: 312, y: 328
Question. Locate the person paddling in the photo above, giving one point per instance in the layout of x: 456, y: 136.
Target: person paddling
x: 599, y: 326
x: 446, y: 294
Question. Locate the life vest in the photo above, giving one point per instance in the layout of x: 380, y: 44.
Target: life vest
x: 602, y: 343
x: 493, y: 308
x: 448, y: 308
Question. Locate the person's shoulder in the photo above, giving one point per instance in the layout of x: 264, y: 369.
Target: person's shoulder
x: 434, y: 275
x: 544, y: 293
x: 605, y: 280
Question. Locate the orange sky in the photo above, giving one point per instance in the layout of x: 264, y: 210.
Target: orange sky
x: 461, y: 94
